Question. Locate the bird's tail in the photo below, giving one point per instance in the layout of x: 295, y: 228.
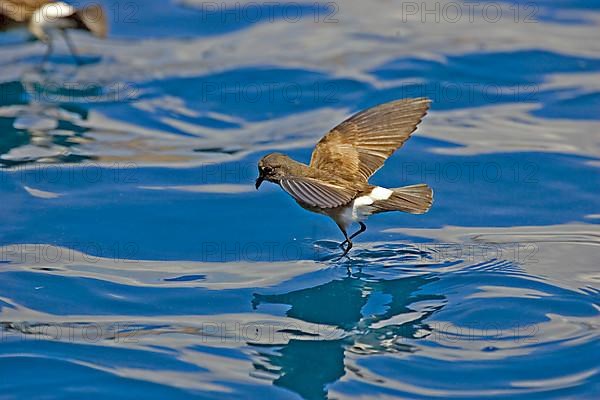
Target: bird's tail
x: 93, y: 18
x: 415, y: 199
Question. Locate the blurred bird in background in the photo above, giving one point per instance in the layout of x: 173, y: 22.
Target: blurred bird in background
x: 45, y: 18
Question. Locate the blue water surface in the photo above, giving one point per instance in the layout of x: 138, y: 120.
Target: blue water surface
x: 138, y: 260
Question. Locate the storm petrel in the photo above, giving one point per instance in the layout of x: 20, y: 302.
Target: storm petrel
x: 336, y: 182
x: 43, y: 17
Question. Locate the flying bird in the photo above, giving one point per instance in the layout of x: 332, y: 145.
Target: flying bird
x: 336, y: 182
x: 45, y: 17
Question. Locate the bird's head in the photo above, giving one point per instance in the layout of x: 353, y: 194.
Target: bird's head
x: 273, y: 167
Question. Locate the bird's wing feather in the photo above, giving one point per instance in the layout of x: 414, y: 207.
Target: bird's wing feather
x: 317, y: 193
x: 358, y: 147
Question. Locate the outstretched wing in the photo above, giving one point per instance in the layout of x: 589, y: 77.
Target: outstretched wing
x: 317, y: 193
x: 358, y: 147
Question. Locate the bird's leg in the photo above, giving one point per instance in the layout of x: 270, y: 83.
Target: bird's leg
x: 49, y: 47
x: 71, y: 47
x: 345, y: 237
x: 347, y: 249
x: 363, y: 228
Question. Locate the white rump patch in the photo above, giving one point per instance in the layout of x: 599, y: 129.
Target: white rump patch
x: 360, y: 207
x: 363, y: 201
x: 380, y: 193
x: 376, y: 194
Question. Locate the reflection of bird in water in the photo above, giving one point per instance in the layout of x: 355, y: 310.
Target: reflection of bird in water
x: 44, y: 18
x: 380, y: 316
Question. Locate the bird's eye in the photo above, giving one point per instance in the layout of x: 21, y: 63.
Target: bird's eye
x: 267, y: 170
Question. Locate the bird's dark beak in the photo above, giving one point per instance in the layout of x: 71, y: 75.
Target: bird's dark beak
x: 259, y: 181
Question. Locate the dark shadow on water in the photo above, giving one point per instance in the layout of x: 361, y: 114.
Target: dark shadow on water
x: 305, y: 367
x: 359, y: 304
x: 59, y: 60
x: 186, y: 278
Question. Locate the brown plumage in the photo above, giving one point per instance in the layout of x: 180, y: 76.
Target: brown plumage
x: 42, y: 17
x: 335, y: 183
x: 19, y: 11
